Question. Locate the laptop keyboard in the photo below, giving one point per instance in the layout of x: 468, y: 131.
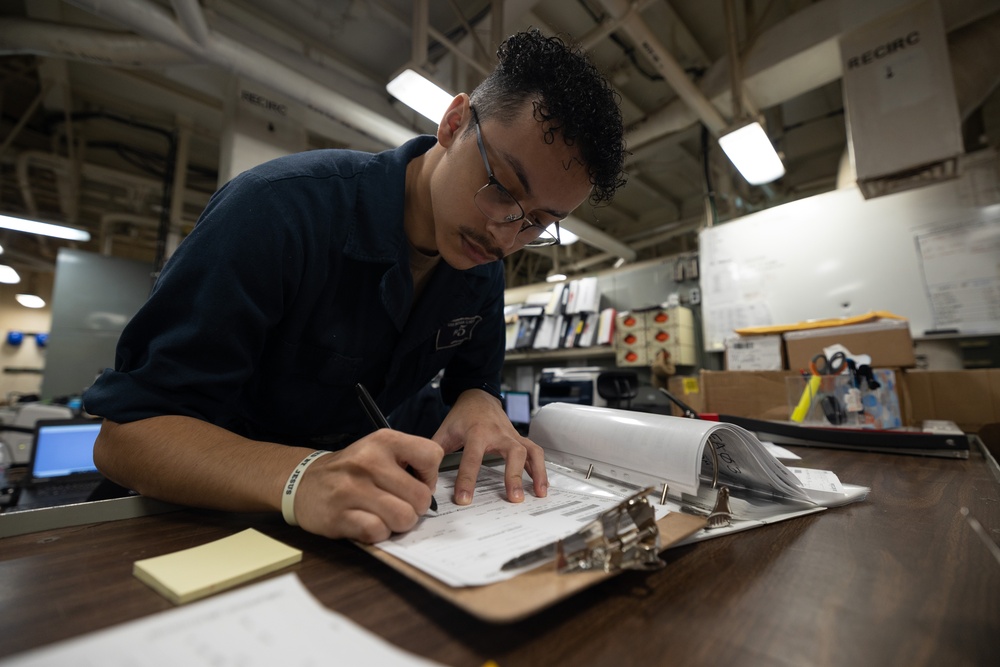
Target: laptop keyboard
x: 52, y: 495
x: 69, y: 489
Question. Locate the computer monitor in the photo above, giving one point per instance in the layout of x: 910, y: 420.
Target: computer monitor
x: 518, y: 407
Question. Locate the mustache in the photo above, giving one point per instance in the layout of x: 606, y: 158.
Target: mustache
x: 483, y: 241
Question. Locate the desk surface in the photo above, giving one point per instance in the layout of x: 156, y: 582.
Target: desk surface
x: 900, y: 579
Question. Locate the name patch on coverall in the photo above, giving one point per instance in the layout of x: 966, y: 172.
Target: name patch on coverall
x: 457, y: 331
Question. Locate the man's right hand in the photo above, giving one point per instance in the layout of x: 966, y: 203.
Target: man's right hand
x: 364, y: 492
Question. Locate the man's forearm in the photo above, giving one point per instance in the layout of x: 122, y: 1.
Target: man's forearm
x: 191, y: 462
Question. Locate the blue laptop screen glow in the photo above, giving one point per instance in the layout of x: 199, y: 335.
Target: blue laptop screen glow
x: 518, y: 406
x: 65, y: 450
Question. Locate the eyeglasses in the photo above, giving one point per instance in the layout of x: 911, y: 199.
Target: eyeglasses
x: 496, y: 203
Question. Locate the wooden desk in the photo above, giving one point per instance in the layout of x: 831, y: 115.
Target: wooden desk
x: 899, y: 579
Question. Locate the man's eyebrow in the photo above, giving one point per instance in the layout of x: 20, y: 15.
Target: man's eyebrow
x: 518, y: 168
x: 522, y: 177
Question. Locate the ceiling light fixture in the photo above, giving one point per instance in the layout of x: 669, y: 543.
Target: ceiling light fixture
x: 43, y: 228
x: 749, y: 149
x: 30, y: 300
x: 8, y: 275
x: 555, y: 277
x: 416, y: 91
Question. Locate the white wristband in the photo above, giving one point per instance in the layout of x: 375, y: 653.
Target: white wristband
x: 292, y: 485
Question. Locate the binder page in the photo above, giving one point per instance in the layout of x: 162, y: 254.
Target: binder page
x: 467, y: 545
x: 641, y: 448
x: 745, y: 463
x: 633, y: 447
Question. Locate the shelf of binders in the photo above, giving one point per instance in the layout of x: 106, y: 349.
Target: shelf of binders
x: 576, y: 353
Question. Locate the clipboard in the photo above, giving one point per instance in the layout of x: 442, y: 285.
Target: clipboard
x: 532, y: 591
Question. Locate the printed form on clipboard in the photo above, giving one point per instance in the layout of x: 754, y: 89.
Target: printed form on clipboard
x: 695, y: 459
x: 464, y: 554
x: 469, y: 545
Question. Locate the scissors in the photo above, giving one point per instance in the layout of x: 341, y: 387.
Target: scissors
x: 834, y: 365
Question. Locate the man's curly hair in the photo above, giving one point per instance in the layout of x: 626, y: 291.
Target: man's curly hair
x: 571, y: 98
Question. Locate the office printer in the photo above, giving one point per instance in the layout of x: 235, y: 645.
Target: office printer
x: 568, y: 385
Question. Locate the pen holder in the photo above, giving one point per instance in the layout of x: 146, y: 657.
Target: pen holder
x: 840, y: 400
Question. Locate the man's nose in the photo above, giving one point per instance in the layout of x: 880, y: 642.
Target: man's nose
x: 506, y: 233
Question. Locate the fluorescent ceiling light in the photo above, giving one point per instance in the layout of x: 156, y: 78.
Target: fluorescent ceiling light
x: 8, y: 275
x: 420, y: 94
x: 751, y: 151
x: 30, y: 300
x: 43, y: 228
x: 567, y: 237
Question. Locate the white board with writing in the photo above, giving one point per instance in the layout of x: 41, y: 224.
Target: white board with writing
x: 931, y: 255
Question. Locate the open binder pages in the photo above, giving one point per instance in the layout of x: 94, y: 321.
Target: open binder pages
x: 623, y: 450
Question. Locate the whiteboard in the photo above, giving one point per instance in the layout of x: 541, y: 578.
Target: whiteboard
x: 931, y: 255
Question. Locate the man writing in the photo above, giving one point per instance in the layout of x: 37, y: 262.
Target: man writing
x: 315, y: 272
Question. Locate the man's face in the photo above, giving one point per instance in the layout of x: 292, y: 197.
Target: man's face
x: 548, y: 180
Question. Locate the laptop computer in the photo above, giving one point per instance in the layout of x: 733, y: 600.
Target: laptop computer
x: 517, y: 404
x: 62, y: 470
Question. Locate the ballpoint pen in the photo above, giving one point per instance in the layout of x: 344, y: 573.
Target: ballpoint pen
x: 378, y: 420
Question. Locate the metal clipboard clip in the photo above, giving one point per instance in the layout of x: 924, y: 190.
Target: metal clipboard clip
x: 624, y: 537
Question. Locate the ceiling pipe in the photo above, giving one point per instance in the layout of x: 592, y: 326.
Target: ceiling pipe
x: 106, y: 237
x: 149, y: 19
x: 192, y: 20
x: 595, y: 237
x: 62, y: 167
x: 637, y: 29
x: 672, y: 230
x: 92, y: 45
x: 801, y: 54
x: 25, y: 117
x: 394, y: 18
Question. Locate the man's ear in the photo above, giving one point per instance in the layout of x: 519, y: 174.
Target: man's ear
x: 455, y: 118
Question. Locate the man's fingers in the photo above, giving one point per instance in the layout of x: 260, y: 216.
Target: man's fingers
x: 515, y: 457
x: 468, y: 472
x: 535, y: 465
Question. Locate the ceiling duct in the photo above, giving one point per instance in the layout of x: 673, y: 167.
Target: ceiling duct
x: 904, y: 128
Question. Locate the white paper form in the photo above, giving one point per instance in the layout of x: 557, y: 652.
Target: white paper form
x: 961, y: 274
x: 276, y: 622
x: 467, y: 545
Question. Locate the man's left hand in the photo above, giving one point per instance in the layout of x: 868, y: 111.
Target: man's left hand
x: 478, y: 423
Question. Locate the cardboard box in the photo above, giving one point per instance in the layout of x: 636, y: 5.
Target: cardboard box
x: 970, y: 398
x: 887, y: 342
x: 757, y: 394
x: 755, y: 353
x: 688, y: 390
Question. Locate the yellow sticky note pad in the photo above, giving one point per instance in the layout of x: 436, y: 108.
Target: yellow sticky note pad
x: 194, y: 573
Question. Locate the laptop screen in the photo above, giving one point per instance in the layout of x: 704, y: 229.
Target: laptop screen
x: 518, y: 406
x: 64, y: 449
